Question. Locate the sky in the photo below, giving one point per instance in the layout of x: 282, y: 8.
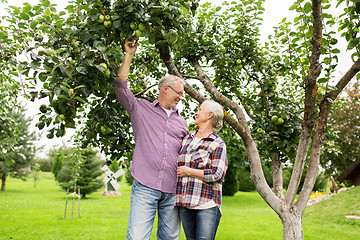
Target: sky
x: 275, y: 11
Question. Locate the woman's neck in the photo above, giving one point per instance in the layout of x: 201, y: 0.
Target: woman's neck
x: 203, y: 131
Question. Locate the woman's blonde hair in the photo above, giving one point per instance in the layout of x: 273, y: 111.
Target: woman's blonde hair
x: 214, y: 107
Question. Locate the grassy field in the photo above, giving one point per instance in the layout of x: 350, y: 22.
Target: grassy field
x: 38, y: 213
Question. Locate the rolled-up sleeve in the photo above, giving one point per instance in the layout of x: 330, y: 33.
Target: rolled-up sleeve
x: 124, y: 95
x: 219, y: 164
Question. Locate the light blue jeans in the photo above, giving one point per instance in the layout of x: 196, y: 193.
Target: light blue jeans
x: 145, y: 202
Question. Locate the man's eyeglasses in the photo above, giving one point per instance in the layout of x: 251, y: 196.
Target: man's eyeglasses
x: 181, y: 94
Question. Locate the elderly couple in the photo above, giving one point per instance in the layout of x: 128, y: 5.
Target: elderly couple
x: 177, y: 174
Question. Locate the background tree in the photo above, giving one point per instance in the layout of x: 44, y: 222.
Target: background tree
x: 86, y: 165
x: 283, y: 91
x: 345, y: 121
x: 21, y: 154
x: 59, y: 156
x: 9, y: 89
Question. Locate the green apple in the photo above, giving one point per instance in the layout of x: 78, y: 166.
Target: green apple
x: 280, y: 121
x: 103, y: 129
x: 101, y: 18
x: 62, y: 116
x: 274, y: 118
x: 238, y: 67
x: 138, y: 33
x: 238, y: 61
x: 107, y: 24
x: 260, y: 130
x: 107, y: 73
x: 108, y: 130
x: 141, y: 27
x: 133, y: 26
x: 107, y: 18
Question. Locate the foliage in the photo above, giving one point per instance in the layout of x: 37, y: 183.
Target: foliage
x: 231, y: 183
x: 21, y: 154
x: 345, y: 121
x: 81, y: 169
x: 67, y: 50
x: 245, y: 183
x: 9, y: 89
x: 319, y: 185
x: 60, y: 156
x: 128, y: 177
x: 45, y: 164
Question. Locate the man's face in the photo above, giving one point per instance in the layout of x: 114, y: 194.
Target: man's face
x: 174, y: 94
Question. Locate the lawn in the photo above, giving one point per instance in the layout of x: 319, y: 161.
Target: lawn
x: 38, y: 213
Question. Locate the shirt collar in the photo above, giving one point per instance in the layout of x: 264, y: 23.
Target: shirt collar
x: 212, y: 136
x: 156, y: 103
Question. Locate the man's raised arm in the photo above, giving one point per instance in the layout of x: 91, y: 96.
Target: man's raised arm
x: 130, y: 48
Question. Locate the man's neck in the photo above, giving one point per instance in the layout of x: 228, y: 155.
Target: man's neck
x: 162, y: 104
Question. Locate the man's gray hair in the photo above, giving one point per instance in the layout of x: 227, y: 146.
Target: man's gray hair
x: 169, y: 80
x: 214, y: 107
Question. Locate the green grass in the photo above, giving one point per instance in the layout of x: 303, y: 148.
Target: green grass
x: 37, y: 213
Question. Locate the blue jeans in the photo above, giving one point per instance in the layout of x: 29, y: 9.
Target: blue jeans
x: 200, y: 224
x: 145, y: 202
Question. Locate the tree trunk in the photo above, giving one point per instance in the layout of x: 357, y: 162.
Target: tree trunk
x: 3, y: 180
x: 292, y: 225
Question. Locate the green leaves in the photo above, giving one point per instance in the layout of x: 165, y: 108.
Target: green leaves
x: 24, y: 16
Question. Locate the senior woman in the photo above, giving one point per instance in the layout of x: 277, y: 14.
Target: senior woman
x: 202, y: 165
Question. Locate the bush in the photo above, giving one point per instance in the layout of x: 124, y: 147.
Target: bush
x: 128, y: 177
x: 231, y: 183
x: 245, y: 183
x: 319, y: 185
x: 45, y: 164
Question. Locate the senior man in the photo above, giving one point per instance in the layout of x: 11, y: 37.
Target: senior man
x: 158, y: 131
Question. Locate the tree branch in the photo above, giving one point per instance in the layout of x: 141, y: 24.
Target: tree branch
x: 354, y: 69
x: 309, y: 103
x: 319, y: 135
x: 222, y: 99
x: 190, y: 76
x: 146, y: 89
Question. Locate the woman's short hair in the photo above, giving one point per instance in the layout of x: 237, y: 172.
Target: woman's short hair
x: 217, y: 109
x: 169, y: 80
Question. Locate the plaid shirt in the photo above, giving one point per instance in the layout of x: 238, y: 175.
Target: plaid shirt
x: 208, y: 154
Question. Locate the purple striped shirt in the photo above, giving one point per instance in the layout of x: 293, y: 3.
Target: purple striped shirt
x: 157, y: 140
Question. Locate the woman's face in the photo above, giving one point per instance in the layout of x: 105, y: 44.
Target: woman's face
x: 202, y: 115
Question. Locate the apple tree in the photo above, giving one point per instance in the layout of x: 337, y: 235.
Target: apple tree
x: 277, y: 97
